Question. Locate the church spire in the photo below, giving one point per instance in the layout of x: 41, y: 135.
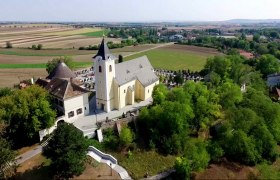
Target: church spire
x: 104, y: 51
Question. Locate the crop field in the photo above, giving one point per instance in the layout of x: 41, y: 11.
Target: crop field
x: 178, y: 57
x: 96, y: 33
x: 50, y: 36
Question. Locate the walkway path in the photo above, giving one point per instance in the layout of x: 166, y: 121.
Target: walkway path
x: 161, y: 175
x: 29, y: 154
x: 161, y: 45
x: 109, y: 160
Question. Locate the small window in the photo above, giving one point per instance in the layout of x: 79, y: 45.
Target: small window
x: 148, y: 90
x: 85, y: 108
x: 110, y: 68
x: 70, y: 114
x: 100, y: 69
x: 123, y: 91
x: 79, y: 111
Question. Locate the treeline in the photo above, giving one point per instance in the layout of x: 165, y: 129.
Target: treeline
x: 203, y: 122
x: 227, y: 44
x: 141, y: 35
x: 112, y: 45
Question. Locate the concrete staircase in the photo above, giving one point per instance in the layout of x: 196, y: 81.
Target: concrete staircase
x: 109, y: 160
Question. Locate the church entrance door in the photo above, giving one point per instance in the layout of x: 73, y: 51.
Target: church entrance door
x: 102, y: 107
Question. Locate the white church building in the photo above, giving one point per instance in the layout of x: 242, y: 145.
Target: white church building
x: 119, y: 85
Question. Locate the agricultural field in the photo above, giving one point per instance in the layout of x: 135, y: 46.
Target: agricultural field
x: 50, y: 36
x: 178, y: 57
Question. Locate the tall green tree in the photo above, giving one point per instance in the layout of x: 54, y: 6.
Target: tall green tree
x: 26, y: 112
x: 67, y: 151
x: 268, y: 64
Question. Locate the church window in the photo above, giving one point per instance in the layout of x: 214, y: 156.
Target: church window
x: 148, y: 90
x: 79, y: 111
x: 110, y: 68
x: 100, y: 69
x: 70, y: 114
x: 123, y: 91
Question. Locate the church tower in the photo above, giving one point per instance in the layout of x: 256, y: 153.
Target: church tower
x: 104, y: 67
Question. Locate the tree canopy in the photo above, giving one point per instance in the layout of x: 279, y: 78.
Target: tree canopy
x: 67, y: 151
x: 25, y: 112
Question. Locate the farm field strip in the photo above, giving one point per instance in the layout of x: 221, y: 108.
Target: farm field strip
x: 41, y: 65
x: 30, y: 31
x: 14, y: 38
x: 15, y: 42
x: 73, y: 31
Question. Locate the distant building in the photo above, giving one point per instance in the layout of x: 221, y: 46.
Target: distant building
x: 176, y: 37
x: 119, y: 85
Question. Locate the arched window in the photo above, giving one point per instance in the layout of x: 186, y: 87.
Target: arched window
x: 110, y: 68
x: 100, y: 69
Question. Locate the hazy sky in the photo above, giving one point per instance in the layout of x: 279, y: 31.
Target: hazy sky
x: 137, y: 10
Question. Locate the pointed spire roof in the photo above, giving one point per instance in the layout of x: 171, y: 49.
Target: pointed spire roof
x: 61, y: 71
x: 104, y: 51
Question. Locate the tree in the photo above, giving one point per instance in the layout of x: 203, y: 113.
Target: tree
x: 182, y: 167
x: 39, y: 47
x: 34, y: 47
x: 268, y: 64
x: 67, y: 151
x: 26, y: 112
x: 126, y: 136
x: 159, y: 94
x: 54, y: 62
x: 9, y: 45
x: 256, y: 37
x: 120, y: 58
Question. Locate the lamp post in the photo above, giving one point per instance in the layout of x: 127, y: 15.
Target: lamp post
x: 111, y: 169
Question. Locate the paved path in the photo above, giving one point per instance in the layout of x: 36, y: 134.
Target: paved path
x: 31, y: 153
x: 120, y: 170
x: 161, y: 45
x: 161, y: 175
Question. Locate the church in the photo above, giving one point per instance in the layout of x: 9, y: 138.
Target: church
x: 119, y: 85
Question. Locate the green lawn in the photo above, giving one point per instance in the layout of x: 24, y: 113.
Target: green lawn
x: 142, y: 162
x: 28, y: 53
x: 96, y: 33
x: 173, y: 59
x: 42, y: 65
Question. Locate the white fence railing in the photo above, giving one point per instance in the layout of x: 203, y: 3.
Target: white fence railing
x: 103, y: 155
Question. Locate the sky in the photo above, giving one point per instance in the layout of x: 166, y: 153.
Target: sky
x: 137, y: 10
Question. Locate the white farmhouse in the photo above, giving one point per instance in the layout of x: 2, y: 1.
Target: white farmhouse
x: 69, y: 99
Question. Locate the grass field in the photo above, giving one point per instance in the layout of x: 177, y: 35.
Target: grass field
x: 144, y: 162
x: 172, y: 60
x: 96, y: 33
